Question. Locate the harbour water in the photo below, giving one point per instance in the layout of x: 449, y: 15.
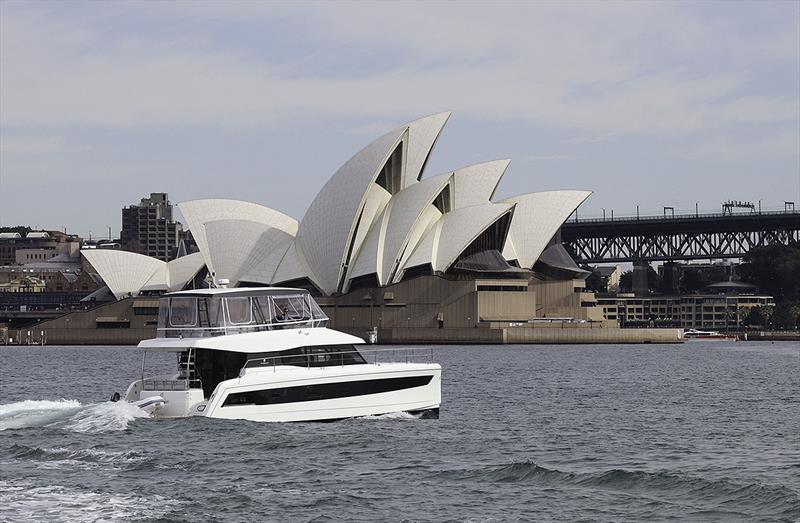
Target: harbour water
x: 705, y: 431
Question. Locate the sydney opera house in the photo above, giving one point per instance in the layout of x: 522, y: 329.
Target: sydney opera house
x: 385, y: 244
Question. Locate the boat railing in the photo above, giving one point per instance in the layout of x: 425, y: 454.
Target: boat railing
x: 169, y: 383
x: 210, y: 332
x: 339, y: 359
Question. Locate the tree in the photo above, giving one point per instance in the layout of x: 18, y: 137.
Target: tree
x: 759, y: 316
x: 594, y: 282
x: 626, y: 281
x: 692, y: 280
x: 785, y: 315
x: 775, y: 269
x: 23, y: 230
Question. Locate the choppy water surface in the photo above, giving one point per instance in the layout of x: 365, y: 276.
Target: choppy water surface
x: 703, y: 431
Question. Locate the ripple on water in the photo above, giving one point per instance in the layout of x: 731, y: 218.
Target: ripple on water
x: 24, y: 501
x: 711, y: 496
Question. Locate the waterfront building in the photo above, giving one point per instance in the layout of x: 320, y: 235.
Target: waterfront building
x: 24, y: 284
x: 36, y: 246
x: 65, y: 282
x: 148, y: 228
x: 694, y: 311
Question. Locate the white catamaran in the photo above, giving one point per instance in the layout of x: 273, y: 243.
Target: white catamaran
x: 265, y: 354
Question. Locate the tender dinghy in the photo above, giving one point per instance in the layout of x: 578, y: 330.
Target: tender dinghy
x: 151, y: 404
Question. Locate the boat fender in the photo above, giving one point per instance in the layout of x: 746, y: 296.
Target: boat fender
x: 115, y: 397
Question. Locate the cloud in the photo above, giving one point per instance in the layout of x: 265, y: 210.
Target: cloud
x: 31, y: 144
x: 546, y: 157
x: 729, y: 148
x: 600, y: 70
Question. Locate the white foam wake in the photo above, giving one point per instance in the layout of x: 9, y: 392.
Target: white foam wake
x: 105, y: 417
x: 24, y: 501
x: 69, y: 415
x: 36, y: 413
x: 392, y: 415
x: 89, y: 458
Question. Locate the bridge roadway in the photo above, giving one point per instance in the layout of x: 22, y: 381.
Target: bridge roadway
x: 679, y: 237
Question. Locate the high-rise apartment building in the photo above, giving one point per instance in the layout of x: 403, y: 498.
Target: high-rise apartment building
x: 148, y: 228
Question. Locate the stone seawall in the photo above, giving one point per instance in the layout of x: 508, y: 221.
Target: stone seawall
x: 78, y: 336
x: 522, y: 335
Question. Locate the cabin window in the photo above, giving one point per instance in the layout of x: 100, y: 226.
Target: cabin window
x: 240, y: 310
x: 163, y: 313
x: 261, y: 310
x: 291, y: 308
x: 210, y: 312
x: 182, y: 312
x: 316, y: 311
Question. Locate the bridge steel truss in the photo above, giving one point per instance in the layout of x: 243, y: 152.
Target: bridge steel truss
x: 677, y: 238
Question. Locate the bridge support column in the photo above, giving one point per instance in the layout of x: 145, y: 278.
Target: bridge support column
x: 641, y: 270
x: 670, y: 277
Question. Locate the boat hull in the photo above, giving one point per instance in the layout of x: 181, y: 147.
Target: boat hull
x: 328, y: 393
x: 289, y: 394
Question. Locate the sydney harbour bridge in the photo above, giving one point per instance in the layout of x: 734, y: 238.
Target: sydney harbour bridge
x: 672, y: 237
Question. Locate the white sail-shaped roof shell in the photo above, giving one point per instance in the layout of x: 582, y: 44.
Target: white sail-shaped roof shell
x: 389, y: 236
x: 377, y: 199
x: 262, y: 262
x: 181, y: 270
x: 174, y: 275
x: 536, y: 220
x: 199, y: 212
x: 238, y: 227
x: 293, y: 266
x: 475, y: 184
x: 453, y: 233
x: 237, y: 247
x: 329, y: 225
x: 157, y: 281
x: 339, y: 218
x: 422, y: 136
x: 124, y: 272
x: 430, y: 216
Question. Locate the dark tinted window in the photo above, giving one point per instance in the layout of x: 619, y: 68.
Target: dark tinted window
x: 324, y: 391
x: 313, y: 356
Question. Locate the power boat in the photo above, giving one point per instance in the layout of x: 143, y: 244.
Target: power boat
x: 694, y: 334
x: 265, y: 354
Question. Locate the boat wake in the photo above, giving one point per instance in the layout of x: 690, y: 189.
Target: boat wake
x: 88, y: 458
x: 25, y: 501
x: 69, y: 415
x: 390, y: 415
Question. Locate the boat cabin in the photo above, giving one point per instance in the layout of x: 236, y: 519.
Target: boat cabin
x: 199, y: 326
x: 218, y: 312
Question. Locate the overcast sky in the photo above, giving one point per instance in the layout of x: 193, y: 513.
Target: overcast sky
x: 643, y: 103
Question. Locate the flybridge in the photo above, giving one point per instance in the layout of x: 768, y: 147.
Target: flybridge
x: 219, y: 312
